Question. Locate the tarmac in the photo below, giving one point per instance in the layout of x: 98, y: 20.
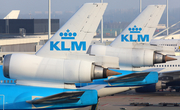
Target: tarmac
x: 143, y: 101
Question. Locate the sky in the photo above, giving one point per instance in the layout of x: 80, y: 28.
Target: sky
x: 41, y: 6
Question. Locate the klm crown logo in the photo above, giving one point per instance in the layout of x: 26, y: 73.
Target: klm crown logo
x: 135, y: 29
x: 68, y: 35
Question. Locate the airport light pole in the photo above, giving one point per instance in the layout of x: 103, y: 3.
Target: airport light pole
x: 101, y: 27
x: 167, y: 18
x: 140, y: 6
x: 49, y: 19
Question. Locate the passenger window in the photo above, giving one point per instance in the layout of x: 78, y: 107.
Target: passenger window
x: 7, y: 81
x: 170, y: 65
x: 159, y: 65
x: 162, y: 65
x: 1, y: 81
x: 175, y: 65
x: 167, y: 65
x: 4, y: 81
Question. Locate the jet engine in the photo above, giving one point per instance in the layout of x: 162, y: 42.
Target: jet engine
x: 152, y: 88
x: 32, y: 67
x: 130, y: 57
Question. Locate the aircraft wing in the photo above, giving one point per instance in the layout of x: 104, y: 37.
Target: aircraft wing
x: 169, y: 75
x: 171, y: 72
x: 77, y: 34
x: 65, y: 97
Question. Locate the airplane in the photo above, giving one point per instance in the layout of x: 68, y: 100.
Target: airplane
x: 46, y: 79
x: 125, y: 81
x: 132, y: 45
x: 168, y: 77
x: 12, y: 15
x: 133, y: 49
x: 61, y: 57
x: 175, y: 43
x: 140, y: 55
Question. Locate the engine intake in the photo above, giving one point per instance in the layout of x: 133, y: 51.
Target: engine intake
x: 152, y: 88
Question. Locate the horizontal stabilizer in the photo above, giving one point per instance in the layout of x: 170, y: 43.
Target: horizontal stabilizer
x: 129, y: 78
x: 65, y: 97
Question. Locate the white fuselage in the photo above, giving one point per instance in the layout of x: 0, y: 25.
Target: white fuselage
x: 171, y: 68
x: 169, y: 43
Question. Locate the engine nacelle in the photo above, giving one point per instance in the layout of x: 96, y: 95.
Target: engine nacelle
x: 152, y: 88
x: 129, y: 57
x: 32, y: 67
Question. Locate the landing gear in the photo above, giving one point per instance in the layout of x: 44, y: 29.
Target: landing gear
x: 94, y: 107
x: 177, y: 88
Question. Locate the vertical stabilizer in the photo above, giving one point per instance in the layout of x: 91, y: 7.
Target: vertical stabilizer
x: 141, y: 29
x: 13, y: 14
x: 76, y: 34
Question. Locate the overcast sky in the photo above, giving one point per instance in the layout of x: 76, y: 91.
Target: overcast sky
x: 27, y: 6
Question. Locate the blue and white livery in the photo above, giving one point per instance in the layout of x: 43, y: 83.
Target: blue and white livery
x: 47, y: 79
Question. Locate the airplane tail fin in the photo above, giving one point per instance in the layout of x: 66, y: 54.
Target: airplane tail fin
x: 13, y: 14
x: 142, y: 28
x: 77, y: 33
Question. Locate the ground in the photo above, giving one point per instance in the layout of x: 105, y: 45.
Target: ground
x: 121, y: 101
